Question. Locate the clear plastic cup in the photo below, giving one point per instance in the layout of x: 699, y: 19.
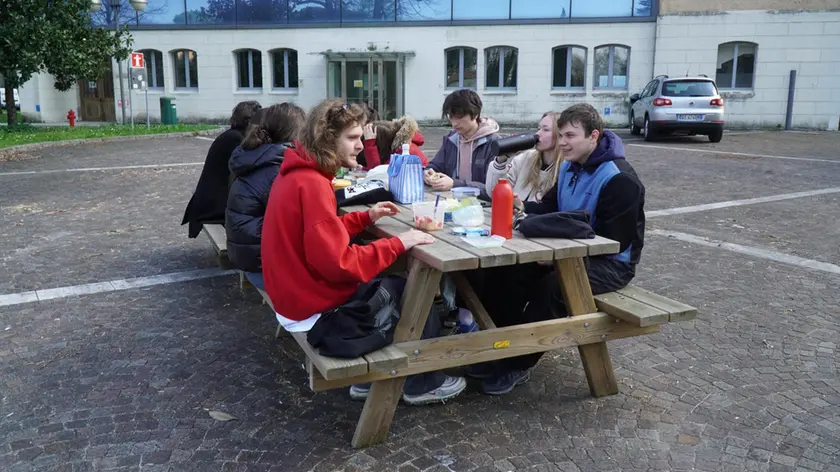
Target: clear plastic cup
x: 427, y: 217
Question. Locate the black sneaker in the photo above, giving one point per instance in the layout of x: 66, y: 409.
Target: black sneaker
x: 505, y: 382
x: 483, y: 370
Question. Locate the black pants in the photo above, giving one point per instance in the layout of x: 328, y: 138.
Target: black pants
x: 531, y: 292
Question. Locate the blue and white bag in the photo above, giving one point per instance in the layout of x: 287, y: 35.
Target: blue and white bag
x: 405, y: 178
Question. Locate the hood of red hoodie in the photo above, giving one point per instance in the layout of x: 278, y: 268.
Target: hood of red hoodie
x: 298, y: 158
x: 418, y: 139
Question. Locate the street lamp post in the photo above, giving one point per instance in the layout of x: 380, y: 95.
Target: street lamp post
x: 138, y: 5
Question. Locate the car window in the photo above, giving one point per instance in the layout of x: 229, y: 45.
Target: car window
x: 651, y: 88
x: 689, y: 88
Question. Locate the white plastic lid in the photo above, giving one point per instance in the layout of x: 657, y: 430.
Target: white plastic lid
x: 405, y: 149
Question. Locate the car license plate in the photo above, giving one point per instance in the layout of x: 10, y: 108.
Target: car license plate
x: 690, y: 117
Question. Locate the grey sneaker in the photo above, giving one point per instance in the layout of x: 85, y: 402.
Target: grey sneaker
x: 451, y: 387
x: 359, y: 392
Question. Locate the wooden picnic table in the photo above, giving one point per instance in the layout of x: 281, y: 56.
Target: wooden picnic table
x: 587, y: 327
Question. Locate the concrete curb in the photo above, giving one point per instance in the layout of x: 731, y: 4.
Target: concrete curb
x: 110, y: 139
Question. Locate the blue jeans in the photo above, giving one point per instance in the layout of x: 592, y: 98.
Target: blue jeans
x: 256, y: 279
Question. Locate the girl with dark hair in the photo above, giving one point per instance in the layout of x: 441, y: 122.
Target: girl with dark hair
x: 253, y: 167
x: 310, y: 267
x: 207, y: 204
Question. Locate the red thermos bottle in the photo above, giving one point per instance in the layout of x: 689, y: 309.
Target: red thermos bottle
x: 502, y: 210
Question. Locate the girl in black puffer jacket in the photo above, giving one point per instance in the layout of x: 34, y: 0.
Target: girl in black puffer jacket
x: 253, y: 167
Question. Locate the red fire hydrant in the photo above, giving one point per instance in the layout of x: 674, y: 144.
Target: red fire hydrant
x: 71, y: 116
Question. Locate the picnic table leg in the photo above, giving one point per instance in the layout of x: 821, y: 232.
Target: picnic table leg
x: 384, y: 395
x: 578, y: 297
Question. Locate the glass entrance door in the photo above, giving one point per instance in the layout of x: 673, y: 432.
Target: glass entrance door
x: 372, y: 81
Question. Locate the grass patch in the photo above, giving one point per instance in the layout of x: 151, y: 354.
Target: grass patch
x: 28, y: 134
x: 4, y: 116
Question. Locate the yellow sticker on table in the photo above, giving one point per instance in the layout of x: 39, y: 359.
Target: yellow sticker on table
x: 501, y: 344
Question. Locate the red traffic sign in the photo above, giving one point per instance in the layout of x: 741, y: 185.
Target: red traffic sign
x: 137, y: 61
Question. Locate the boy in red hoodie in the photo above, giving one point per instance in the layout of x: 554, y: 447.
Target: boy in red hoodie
x: 308, y: 263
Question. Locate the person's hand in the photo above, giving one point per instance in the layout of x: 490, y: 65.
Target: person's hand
x: 383, y: 209
x: 443, y: 183
x: 429, y: 176
x: 369, y: 131
x: 415, y: 238
x: 502, y: 159
x: 518, y: 207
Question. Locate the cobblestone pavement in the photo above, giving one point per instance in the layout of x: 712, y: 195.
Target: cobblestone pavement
x: 125, y: 380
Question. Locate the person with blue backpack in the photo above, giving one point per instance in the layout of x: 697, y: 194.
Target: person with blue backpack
x: 597, y: 191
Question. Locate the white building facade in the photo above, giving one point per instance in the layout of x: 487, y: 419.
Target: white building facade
x: 524, y: 57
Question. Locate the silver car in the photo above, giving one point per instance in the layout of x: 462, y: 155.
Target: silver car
x: 690, y: 105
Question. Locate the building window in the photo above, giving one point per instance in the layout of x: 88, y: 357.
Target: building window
x: 736, y: 65
x: 249, y: 69
x: 461, y: 66
x: 284, y: 69
x: 500, y: 67
x: 154, y: 68
x: 186, y: 69
x: 611, y: 66
x: 568, y: 67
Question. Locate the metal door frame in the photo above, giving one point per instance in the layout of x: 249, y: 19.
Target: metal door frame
x: 380, y: 58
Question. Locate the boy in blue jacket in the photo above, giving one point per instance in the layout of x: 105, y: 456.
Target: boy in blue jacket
x: 594, y: 178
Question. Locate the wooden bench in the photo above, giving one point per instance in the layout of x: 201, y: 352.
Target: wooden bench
x: 593, y: 321
x: 334, y: 369
x: 643, y: 308
x: 218, y: 238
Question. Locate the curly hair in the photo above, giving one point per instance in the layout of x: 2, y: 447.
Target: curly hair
x: 274, y: 125
x: 324, y: 125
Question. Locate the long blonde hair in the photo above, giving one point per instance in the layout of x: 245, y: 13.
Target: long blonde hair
x: 324, y: 125
x: 532, y: 178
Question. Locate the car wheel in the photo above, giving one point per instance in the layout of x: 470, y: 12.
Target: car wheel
x: 716, y: 136
x: 647, y: 130
x: 634, y: 130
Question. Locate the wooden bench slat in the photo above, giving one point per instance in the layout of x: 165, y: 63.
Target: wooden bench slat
x: 630, y: 310
x: 217, y: 236
x: 386, y: 359
x: 331, y: 368
x: 677, y: 311
x: 464, y: 349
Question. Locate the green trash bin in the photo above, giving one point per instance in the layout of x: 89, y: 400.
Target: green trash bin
x: 168, y: 115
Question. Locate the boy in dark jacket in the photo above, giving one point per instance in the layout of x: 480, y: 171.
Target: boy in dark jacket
x: 594, y: 178
x: 207, y: 205
x: 253, y: 166
x: 464, y: 154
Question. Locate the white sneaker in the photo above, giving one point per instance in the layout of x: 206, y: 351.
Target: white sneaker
x: 451, y: 387
x: 359, y: 392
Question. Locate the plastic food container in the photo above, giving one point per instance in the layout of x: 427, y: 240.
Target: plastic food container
x: 427, y: 217
x: 469, y: 216
x: 461, y: 193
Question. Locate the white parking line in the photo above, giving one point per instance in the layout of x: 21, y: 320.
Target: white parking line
x: 109, y: 286
x: 733, y: 203
x: 750, y: 251
x: 746, y: 154
x: 94, y: 169
x: 205, y: 138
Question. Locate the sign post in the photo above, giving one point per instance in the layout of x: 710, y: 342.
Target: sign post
x: 138, y: 82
